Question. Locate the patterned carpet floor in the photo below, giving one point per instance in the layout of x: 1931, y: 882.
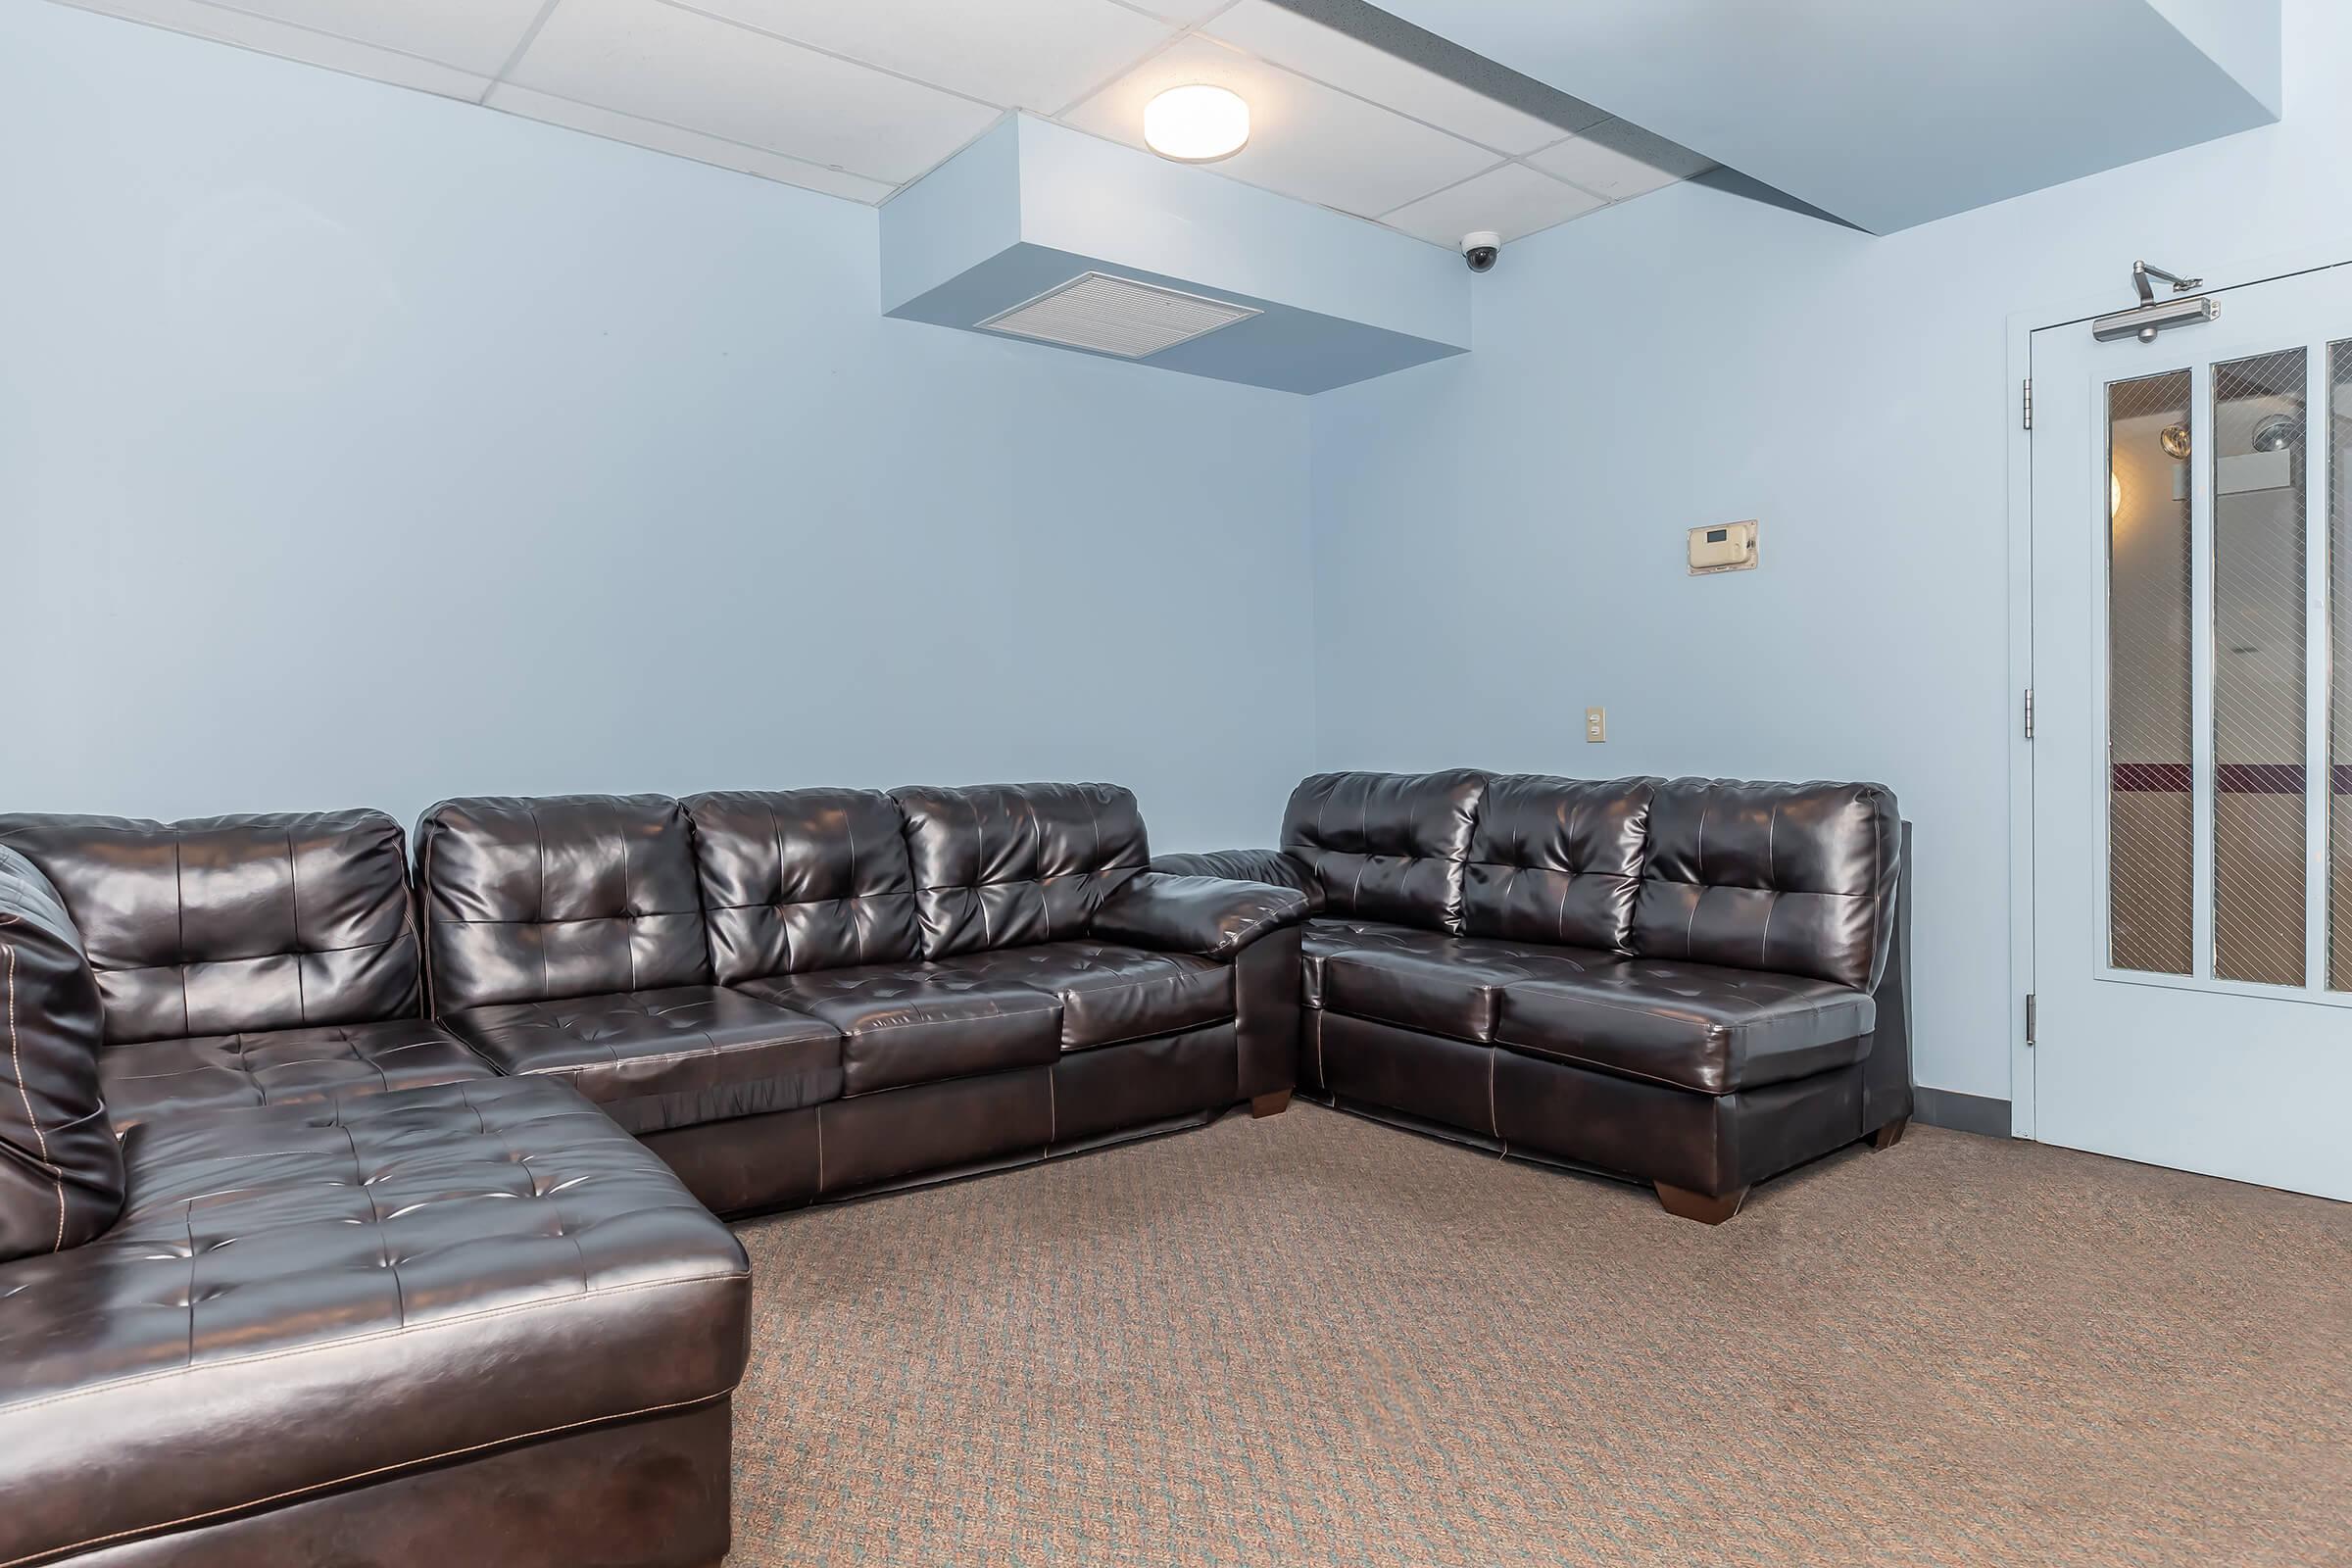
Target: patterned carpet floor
x: 1313, y: 1340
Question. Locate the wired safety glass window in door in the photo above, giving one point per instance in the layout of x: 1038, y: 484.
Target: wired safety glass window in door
x: 2193, y: 884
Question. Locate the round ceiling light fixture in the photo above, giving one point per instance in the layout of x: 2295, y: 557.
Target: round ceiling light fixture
x: 1197, y: 123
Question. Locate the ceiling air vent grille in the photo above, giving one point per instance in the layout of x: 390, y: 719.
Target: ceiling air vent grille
x: 1116, y: 315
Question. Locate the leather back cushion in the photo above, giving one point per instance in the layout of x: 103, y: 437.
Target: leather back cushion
x: 1387, y: 847
x: 795, y: 880
x: 1791, y: 878
x: 536, y: 899
x: 60, y: 1170
x: 1557, y: 860
x: 1003, y: 865
x: 233, y: 923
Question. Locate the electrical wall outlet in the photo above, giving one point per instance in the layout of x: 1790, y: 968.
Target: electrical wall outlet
x: 1596, y: 724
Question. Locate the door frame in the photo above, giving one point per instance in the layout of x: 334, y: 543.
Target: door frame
x: 2021, y: 325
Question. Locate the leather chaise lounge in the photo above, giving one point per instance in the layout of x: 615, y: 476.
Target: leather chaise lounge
x: 328, y: 1312
x: 323, y: 1242
x: 1693, y: 983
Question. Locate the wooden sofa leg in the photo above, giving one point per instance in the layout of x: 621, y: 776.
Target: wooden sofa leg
x: 1889, y: 1134
x: 1273, y: 1104
x: 1684, y: 1204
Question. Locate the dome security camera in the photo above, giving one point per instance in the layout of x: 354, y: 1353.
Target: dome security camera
x: 1481, y: 248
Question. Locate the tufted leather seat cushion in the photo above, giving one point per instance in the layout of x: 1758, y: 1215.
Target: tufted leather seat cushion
x: 300, y: 1295
x: 280, y: 1067
x: 918, y: 1022
x: 795, y: 880
x: 229, y: 924
x: 1557, y: 860
x: 1794, y: 878
x: 1387, y: 847
x: 535, y: 899
x: 1321, y: 939
x: 1449, y: 986
x: 672, y: 1058
x: 60, y: 1175
x: 1692, y: 1025
x: 1007, y: 865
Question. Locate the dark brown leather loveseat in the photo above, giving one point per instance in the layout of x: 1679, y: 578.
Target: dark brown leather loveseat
x: 1696, y: 983
x: 293, y: 1271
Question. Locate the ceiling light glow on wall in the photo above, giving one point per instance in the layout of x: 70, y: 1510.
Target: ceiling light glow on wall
x: 1196, y: 124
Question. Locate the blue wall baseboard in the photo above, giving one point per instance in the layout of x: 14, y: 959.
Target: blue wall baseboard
x: 1962, y: 1113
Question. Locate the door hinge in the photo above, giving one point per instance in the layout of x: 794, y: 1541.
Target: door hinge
x: 2028, y: 712
x: 2028, y: 403
x: 2029, y: 1021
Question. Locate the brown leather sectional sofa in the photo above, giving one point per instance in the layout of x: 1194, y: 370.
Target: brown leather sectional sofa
x: 323, y: 1242
x: 331, y: 1222
x: 1697, y: 983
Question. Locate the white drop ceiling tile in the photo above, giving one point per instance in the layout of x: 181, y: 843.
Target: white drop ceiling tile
x: 1514, y: 201
x: 1306, y: 141
x: 680, y: 68
x: 1017, y: 54
x: 475, y: 36
x: 1183, y: 13
x: 1618, y: 161
x: 614, y: 126
x: 288, y: 42
x: 1311, y: 49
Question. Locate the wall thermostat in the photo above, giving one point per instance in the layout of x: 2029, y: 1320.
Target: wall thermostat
x: 1725, y: 547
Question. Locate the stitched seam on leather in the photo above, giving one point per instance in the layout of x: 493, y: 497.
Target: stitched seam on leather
x: 361, y: 1475
x: 179, y: 956
x: 1494, y: 1116
x: 16, y: 1062
x: 979, y: 861
x: 325, y: 1345
x: 302, y: 1005
x: 1698, y: 872
x: 856, y: 899
x: 541, y: 907
x: 775, y: 835
x: 1636, y: 1073
x: 1878, y: 858
x: 427, y: 835
x: 708, y: 1047
x: 628, y: 905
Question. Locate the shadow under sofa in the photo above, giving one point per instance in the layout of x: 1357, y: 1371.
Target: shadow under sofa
x: 1696, y: 984
x: 330, y: 1277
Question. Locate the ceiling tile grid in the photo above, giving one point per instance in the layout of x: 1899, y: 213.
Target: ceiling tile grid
x: 858, y: 98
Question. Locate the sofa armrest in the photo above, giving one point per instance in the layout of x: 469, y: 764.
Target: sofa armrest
x: 1270, y: 867
x: 1212, y: 917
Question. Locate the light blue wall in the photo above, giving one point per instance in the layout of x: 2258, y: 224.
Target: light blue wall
x: 1499, y: 537
x: 358, y: 447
